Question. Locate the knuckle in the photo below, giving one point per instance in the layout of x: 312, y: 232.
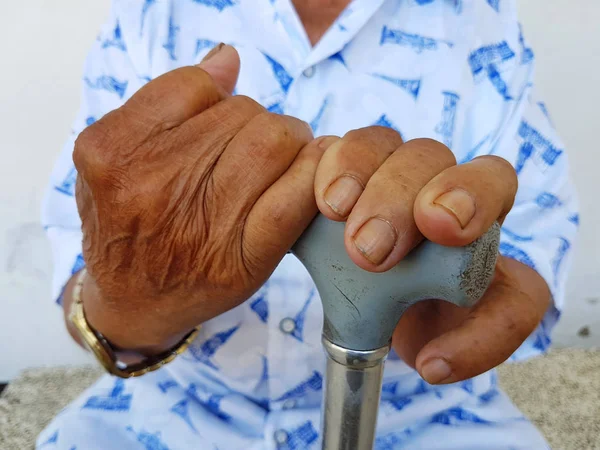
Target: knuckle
x: 375, y: 133
x: 274, y: 129
x: 386, y: 133
x: 195, y: 75
x: 88, y: 154
x: 433, y: 149
x: 246, y: 104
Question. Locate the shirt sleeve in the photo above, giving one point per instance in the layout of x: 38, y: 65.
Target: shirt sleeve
x: 109, y: 78
x: 541, y: 228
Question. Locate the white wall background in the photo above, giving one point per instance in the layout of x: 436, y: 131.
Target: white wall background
x: 42, y: 47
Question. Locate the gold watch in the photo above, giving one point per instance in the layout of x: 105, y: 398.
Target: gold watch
x: 107, y: 354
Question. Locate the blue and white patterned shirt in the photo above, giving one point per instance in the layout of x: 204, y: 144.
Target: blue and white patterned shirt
x: 456, y: 71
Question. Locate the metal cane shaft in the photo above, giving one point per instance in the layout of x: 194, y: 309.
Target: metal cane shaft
x: 351, y: 397
x: 361, y: 310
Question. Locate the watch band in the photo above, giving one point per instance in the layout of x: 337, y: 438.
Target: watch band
x: 106, y: 354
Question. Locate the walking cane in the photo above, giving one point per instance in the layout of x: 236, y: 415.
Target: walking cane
x: 361, y: 310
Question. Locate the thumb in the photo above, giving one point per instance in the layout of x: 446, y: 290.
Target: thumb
x: 222, y: 63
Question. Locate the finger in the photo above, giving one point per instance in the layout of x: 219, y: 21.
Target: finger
x: 381, y: 229
x: 222, y: 63
x: 510, y: 310
x: 284, y: 211
x: 462, y: 202
x: 256, y: 157
x: 179, y: 95
x: 347, y: 166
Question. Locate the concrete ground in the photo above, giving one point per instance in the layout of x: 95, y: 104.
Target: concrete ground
x: 559, y: 392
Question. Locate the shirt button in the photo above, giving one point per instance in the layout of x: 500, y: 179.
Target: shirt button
x: 289, y: 403
x: 287, y: 325
x: 309, y: 72
x: 280, y: 437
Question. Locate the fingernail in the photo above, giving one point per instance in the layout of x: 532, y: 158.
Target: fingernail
x: 213, y: 52
x: 376, y: 239
x: 435, y: 371
x: 342, y: 194
x: 460, y: 203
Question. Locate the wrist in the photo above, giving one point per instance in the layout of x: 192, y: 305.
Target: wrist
x: 129, y: 330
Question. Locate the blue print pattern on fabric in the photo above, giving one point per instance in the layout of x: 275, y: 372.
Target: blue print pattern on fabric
x: 456, y: 417
x: 316, y: 122
x: 148, y: 440
x: 301, y: 317
x: 417, y: 42
x: 563, y: 248
x: 116, y: 400
x: 389, y: 388
x: 314, y: 383
x: 446, y: 126
x: 467, y: 385
x: 202, y: 44
x: 283, y: 77
x: 90, y: 121
x: 171, y: 44
x: 301, y: 437
x: 109, y: 84
x: 392, y: 441
x: 489, y: 395
x: 525, y: 152
x: 339, y: 56
x: 217, y: 4
x: 182, y: 410
x: 67, y: 186
x: 516, y: 237
x: 510, y: 251
x: 486, y: 60
x: 116, y: 40
x: 544, y: 109
x: 546, y: 200
x: 276, y: 108
x: 424, y: 387
x: 214, y: 405
x: 145, y: 9
x: 494, y: 4
x: 574, y: 219
x: 410, y: 86
x: 540, y: 146
x: 164, y: 386
x: 79, y: 264
x: 260, y: 307
x: 542, y: 341
x: 204, y: 352
x: 526, y: 52
x: 400, y: 403
x: 53, y: 439
x: 209, y: 400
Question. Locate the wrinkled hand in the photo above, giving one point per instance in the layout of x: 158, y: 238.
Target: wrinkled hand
x: 393, y: 195
x: 189, y: 198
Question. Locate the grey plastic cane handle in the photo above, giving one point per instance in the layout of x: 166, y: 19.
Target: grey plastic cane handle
x: 361, y: 309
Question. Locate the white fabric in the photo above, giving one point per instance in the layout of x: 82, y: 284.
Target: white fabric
x: 457, y: 71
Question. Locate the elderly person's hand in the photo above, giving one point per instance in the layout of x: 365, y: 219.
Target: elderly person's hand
x: 189, y: 198
x: 393, y: 195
